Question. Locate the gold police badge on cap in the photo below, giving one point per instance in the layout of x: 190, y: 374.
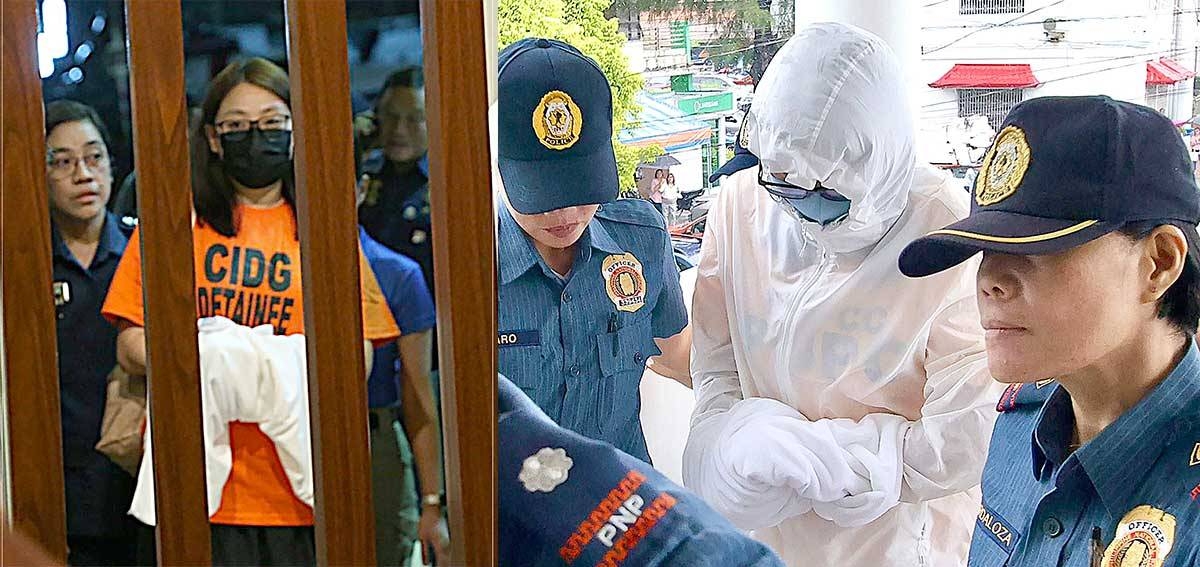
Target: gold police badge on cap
x: 1144, y: 539
x: 557, y: 121
x: 1003, y: 167
x: 624, y: 282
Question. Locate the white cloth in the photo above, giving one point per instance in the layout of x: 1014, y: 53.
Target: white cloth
x: 843, y: 411
x: 248, y: 375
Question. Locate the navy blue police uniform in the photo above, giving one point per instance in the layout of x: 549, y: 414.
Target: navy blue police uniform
x: 578, y: 343
x: 569, y: 500
x: 98, y: 492
x: 1062, y: 172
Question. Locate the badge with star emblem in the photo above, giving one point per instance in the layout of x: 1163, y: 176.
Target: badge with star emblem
x: 557, y: 121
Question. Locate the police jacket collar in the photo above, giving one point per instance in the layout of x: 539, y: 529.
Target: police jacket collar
x: 112, y: 241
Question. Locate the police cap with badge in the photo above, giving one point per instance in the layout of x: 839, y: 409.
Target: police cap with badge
x: 556, y: 149
x: 1064, y: 171
x: 569, y: 500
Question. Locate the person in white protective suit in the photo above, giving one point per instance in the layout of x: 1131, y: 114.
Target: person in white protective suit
x: 843, y: 411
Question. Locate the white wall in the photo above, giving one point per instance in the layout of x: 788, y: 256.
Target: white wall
x: 1105, y: 49
x: 689, y: 174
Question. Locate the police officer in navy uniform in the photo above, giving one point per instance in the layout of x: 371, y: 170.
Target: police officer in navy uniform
x: 589, y: 288
x: 569, y: 500
x: 1086, y: 209
x: 87, y: 243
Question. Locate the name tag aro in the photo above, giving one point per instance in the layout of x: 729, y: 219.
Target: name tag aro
x: 512, y: 339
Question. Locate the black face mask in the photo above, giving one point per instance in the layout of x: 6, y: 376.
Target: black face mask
x: 255, y: 158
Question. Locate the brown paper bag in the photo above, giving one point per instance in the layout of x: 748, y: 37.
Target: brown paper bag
x: 124, y: 420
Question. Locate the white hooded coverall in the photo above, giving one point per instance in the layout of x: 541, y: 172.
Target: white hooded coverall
x: 843, y: 410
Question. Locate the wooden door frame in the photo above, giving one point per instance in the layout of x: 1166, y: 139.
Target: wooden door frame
x: 456, y: 71
x: 26, y: 270
x: 160, y: 139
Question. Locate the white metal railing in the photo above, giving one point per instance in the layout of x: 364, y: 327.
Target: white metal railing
x: 973, y: 7
x: 992, y: 103
x: 1165, y: 98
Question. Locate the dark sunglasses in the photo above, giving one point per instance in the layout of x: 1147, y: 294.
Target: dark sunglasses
x: 786, y: 190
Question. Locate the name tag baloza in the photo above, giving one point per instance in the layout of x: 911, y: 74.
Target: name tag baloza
x: 997, y: 528
x: 509, y: 339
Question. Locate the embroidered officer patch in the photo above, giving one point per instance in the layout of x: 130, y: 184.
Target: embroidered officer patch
x: 1144, y: 539
x: 1003, y: 167
x: 624, y: 282
x: 557, y: 121
x: 545, y: 470
x: 1195, y: 460
x: 996, y: 528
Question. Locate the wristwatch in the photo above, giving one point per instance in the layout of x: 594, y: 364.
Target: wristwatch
x: 435, y: 499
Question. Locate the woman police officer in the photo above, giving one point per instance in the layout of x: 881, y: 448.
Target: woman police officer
x: 1085, y: 210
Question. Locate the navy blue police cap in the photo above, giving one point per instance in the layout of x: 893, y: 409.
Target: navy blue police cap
x: 742, y: 158
x: 569, y: 500
x: 1062, y: 172
x: 554, y: 128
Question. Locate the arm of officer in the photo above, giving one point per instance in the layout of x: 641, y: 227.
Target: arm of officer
x: 131, y: 348
x: 420, y: 408
x: 675, y: 360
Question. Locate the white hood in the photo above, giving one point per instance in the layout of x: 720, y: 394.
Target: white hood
x: 832, y: 108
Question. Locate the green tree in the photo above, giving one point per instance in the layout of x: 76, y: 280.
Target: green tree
x: 582, y: 23
x: 748, y: 32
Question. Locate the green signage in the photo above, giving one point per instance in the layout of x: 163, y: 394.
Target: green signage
x: 708, y: 103
x: 681, y: 37
x: 681, y: 83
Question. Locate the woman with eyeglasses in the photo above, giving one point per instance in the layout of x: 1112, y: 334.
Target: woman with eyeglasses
x: 87, y: 242
x: 843, y: 411
x: 247, y: 269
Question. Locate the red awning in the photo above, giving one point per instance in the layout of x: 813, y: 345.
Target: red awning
x: 987, y: 76
x: 1166, y: 72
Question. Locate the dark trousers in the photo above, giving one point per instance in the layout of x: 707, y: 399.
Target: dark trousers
x: 102, y: 551
x: 263, y: 546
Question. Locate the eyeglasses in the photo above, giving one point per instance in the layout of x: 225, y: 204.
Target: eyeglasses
x: 786, y: 190
x: 62, y: 165
x: 237, y: 129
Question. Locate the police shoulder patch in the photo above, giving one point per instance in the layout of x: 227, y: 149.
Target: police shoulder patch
x: 636, y: 212
x: 1017, y: 395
